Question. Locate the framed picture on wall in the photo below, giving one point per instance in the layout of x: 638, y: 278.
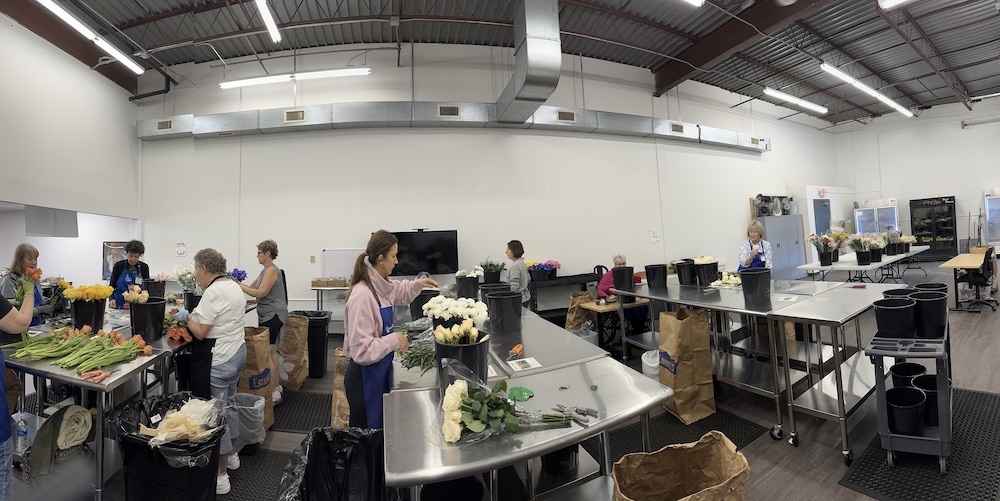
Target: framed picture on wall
x: 112, y: 253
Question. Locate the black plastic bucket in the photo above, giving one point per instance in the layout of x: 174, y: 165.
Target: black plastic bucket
x: 156, y: 289
x: 864, y: 258
x: 89, y: 313
x: 932, y: 286
x: 491, y: 277
x: 895, y: 317
x: 756, y: 284
x: 191, y: 300
x: 707, y: 273
x: 147, y: 318
x: 417, y: 305
x: 931, y: 313
x: 561, y: 461
x: 505, y: 311
x: 474, y: 356
x: 928, y: 384
x: 906, y: 410
x: 485, y: 289
x: 898, y: 293
x: 876, y: 255
x: 656, y: 276
x: 467, y: 287
x: 904, y: 372
x: 685, y: 272
x: 623, y: 281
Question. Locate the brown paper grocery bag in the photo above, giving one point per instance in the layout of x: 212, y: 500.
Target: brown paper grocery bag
x: 686, y: 364
x: 341, y: 411
x: 255, y: 378
x: 576, y: 315
x: 707, y: 470
x: 293, y: 351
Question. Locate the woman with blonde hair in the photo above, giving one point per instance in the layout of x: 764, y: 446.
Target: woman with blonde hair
x: 755, y: 252
x: 25, y: 257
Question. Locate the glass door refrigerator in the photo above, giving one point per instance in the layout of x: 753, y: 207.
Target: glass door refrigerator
x: 933, y: 223
x: 875, y: 219
x: 993, y: 219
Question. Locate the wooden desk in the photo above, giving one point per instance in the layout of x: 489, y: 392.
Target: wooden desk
x: 963, y: 262
x: 607, y: 318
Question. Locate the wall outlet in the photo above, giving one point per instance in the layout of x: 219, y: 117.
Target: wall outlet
x: 312, y: 259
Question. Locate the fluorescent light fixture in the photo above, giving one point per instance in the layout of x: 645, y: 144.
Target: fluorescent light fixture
x: 987, y: 96
x: 343, y: 72
x: 866, y: 89
x: 696, y: 3
x: 777, y: 94
x: 888, y: 4
x: 265, y: 13
x: 90, y: 35
x: 306, y: 75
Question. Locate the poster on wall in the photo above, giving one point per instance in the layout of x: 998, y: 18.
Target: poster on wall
x: 112, y: 252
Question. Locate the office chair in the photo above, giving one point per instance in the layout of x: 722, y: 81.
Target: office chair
x: 983, y: 277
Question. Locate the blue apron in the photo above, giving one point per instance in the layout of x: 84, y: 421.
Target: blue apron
x: 126, y: 279
x: 376, y: 379
x: 758, y: 260
x: 37, y: 319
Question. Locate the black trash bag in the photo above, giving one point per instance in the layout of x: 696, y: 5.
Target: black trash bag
x: 149, y: 412
x: 335, y: 464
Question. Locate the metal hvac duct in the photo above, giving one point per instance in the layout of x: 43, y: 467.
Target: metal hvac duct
x: 537, y: 61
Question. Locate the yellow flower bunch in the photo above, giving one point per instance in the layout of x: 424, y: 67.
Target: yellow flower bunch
x: 529, y: 264
x: 88, y: 292
x: 63, y: 284
x: 838, y: 236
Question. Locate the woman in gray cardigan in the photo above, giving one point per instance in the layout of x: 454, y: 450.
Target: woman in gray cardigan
x: 517, y: 276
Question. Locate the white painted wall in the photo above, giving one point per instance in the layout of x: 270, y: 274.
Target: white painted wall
x: 67, y: 133
x: 75, y: 259
x: 575, y: 198
x: 924, y: 157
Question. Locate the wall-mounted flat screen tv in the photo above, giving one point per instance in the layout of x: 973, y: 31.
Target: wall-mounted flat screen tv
x: 435, y: 252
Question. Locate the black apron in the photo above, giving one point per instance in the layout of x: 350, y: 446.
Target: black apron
x: 201, y: 363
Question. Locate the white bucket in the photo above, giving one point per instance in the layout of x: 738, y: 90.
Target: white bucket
x: 651, y: 364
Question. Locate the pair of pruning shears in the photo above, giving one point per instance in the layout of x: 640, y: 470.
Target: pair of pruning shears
x: 579, y: 413
x: 515, y: 352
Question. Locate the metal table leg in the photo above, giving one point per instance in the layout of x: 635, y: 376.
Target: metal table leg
x: 99, y: 448
x: 835, y: 337
x: 644, y: 426
x: 773, y: 352
x: 793, y: 436
x: 319, y: 300
x: 621, y: 318
x: 494, y: 485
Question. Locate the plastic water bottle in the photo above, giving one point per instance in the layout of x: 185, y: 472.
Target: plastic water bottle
x: 21, y: 444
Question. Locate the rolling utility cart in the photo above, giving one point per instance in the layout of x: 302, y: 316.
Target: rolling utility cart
x: 933, y: 440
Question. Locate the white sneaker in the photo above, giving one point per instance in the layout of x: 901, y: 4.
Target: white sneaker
x: 233, y: 462
x: 275, y: 397
x: 222, y: 485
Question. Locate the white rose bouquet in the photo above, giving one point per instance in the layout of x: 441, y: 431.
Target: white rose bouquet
x: 473, y: 412
x: 476, y: 272
x: 447, y: 308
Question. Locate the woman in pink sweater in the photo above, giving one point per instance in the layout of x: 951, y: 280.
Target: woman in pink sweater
x: 369, y: 340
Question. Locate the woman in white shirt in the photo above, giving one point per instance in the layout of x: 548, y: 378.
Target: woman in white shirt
x: 755, y: 252
x: 219, y: 351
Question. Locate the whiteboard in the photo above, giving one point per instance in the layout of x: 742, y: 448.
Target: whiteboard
x: 340, y: 262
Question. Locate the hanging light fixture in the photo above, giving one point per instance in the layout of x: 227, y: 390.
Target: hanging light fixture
x: 89, y: 34
x: 265, y: 14
x: 777, y: 94
x: 305, y: 75
x: 866, y: 89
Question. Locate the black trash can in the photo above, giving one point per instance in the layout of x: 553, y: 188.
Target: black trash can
x: 319, y: 340
x: 174, y: 470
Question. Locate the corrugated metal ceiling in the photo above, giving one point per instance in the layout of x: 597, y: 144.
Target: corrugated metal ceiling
x: 850, y: 34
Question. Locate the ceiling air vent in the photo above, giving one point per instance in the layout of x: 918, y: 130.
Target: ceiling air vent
x: 225, y: 134
x: 448, y: 110
x: 755, y: 141
x: 677, y: 128
x: 566, y: 116
x: 293, y: 116
x: 164, y: 125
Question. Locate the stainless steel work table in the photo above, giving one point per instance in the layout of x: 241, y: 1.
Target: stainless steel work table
x: 836, y: 395
x: 416, y: 454
x: 731, y: 368
x: 43, y: 369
